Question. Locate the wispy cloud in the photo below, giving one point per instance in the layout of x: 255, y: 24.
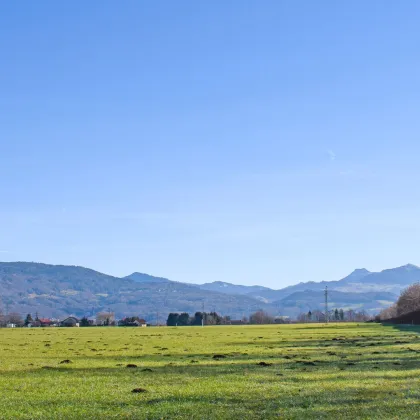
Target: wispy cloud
x: 331, y: 154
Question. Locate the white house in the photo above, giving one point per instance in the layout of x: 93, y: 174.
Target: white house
x: 141, y: 323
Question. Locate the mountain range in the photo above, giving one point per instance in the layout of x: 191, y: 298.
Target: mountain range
x: 59, y: 290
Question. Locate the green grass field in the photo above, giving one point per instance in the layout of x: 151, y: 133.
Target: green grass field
x: 313, y: 371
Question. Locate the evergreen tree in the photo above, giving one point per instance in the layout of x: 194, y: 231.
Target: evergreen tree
x: 172, y: 320
x: 84, y: 322
x: 183, y: 319
x: 28, y: 319
x: 336, y: 314
x: 198, y: 318
x: 309, y: 316
x: 214, y: 318
x: 341, y: 314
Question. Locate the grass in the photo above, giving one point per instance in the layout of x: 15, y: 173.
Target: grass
x: 337, y: 371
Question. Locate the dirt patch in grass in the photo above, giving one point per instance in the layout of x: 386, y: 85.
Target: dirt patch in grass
x: 138, y: 390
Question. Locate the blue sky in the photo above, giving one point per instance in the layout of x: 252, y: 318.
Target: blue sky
x: 256, y: 142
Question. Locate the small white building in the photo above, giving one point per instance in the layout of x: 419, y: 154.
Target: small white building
x: 11, y: 325
x: 141, y: 323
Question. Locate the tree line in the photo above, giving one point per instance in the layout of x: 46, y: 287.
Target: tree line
x: 335, y: 315
x: 199, y: 318
x: 213, y: 318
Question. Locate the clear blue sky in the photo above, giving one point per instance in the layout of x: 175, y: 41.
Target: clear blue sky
x: 263, y: 142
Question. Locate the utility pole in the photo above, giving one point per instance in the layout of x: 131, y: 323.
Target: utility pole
x: 326, y: 304
x: 157, y: 318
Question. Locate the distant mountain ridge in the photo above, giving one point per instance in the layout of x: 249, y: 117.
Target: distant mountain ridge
x: 59, y: 290
x: 146, y: 278
x: 229, y: 288
x: 406, y: 275
x: 359, y: 281
x: 361, y: 289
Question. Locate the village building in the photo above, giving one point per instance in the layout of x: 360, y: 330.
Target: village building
x: 71, y: 321
x: 140, y: 322
x: 45, y: 322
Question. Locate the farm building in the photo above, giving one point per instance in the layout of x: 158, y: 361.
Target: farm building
x: 45, y: 322
x: 71, y: 321
x: 141, y: 323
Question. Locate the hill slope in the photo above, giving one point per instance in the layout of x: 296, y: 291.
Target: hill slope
x: 56, y: 290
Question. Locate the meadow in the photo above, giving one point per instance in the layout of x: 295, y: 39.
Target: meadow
x: 302, y: 371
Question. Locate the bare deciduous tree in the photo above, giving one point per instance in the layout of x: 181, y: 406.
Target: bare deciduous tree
x: 388, y: 313
x: 3, y: 320
x: 14, y: 318
x: 409, y: 300
x: 261, y: 317
x: 302, y: 317
x: 105, y: 318
x: 317, y: 315
x: 362, y: 316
